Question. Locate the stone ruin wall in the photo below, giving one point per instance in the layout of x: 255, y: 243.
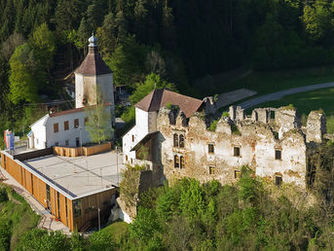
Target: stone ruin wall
x: 257, y: 136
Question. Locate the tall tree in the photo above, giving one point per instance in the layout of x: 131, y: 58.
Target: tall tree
x: 24, y: 75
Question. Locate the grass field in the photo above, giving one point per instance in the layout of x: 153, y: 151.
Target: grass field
x: 16, y: 217
x: 265, y: 82
x: 308, y: 101
x: 116, y: 230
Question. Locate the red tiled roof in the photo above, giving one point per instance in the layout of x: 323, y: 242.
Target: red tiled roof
x: 93, y: 64
x: 56, y: 114
x: 161, y: 97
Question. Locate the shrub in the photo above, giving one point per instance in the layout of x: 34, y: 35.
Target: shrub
x: 213, y: 126
x: 226, y: 114
x: 5, y: 234
x: 3, y: 195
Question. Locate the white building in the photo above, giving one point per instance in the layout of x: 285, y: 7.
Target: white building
x: 147, y: 113
x: 67, y: 128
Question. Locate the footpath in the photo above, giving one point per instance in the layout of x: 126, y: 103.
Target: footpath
x: 47, y: 221
x: 278, y: 95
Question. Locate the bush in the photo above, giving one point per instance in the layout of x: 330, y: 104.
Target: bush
x: 5, y: 234
x: 3, y: 195
x: 213, y: 126
x: 101, y: 241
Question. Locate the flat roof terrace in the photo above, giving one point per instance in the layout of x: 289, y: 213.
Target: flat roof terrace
x: 80, y: 176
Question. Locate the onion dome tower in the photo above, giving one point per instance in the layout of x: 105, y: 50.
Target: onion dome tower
x: 93, y: 78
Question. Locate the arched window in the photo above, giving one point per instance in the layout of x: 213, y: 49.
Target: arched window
x: 181, y: 140
x: 176, y: 140
x: 182, y: 165
x: 176, y: 161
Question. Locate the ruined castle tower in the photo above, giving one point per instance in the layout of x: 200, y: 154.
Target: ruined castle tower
x: 92, y: 78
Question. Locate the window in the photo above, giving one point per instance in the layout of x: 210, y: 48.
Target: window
x: 66, y: 126
x: 58, y: 205
x: 182, y: 165
x: 126, y: 158
x: 237, y: 174
x: 77, y: 208
x: 66, y: 210
x: 48, y: 196
x: 212, y: 170
x: 211, y: 148
x: 278, y: 180
x: 57, y: 144
x: 76, y: 123
x: 176, y: 161
x: 133, y: 138
x: 86, y: 120
x: 272, y: 114
x: 236, y: 151
x: 55, y: 127
x: 278, y: 154
x: 131, y: 161
x: 66, y: 142
x: 77, y: 141
x: 176, y: 140
x: 181, y: 140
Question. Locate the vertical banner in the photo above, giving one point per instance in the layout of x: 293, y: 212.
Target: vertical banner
x: 9, y: 140
x: 5, y: 138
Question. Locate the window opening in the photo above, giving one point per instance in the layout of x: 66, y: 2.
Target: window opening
x: 278, y: 180
x: 66, y: 126
x: 55, y: 127
x: 236, y: 151
x: 76, y: 123
x: 176, y: 161
x: 176, y: 140
x: 181, y: 141
x: 211, y: 148
x: 77, y: 208
x: 182, y: 165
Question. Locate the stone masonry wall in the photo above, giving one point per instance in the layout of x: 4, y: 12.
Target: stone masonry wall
x: 256, y: 138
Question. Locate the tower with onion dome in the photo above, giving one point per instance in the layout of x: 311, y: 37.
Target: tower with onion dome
x: 93, y: 78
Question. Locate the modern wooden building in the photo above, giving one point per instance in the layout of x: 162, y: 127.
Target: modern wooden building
x: 74, y: 190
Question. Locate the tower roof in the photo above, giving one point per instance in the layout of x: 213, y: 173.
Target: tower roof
x: 93, y: 64
x: 161, y: 97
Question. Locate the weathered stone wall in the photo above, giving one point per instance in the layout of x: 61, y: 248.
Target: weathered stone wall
x: 254, y: 137
x: 315, y: 127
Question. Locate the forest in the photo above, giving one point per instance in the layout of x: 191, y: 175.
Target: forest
x: 180, y: 41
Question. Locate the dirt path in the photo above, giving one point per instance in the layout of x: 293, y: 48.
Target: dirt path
x: 278, y: 95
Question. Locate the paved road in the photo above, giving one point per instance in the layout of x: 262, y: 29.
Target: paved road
x: 278, y: 95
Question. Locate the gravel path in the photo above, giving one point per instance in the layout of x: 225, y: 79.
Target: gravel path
x: 278, y: 95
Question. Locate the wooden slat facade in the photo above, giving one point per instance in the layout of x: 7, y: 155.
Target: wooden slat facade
x: 59, y: 205
x: 89, y: 208
x: 79, y: 151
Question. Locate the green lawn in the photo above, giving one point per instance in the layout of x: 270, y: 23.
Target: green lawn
x: 18, y: 214
x: 308, y: 101
x: 267, y: 82
x: 116, y: 230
